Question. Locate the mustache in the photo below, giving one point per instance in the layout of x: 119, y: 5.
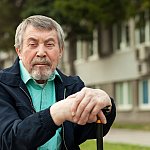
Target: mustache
x: 41, y: 61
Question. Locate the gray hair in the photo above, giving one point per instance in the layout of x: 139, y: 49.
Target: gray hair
x: 41, y: 22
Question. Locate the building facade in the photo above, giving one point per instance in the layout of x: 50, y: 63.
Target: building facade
x: 117, y: 60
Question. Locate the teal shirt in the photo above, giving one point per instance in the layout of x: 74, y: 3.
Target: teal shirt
x: 43, y: 96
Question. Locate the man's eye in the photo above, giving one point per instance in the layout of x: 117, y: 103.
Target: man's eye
x: 50, y: 45
x: 32, y: 44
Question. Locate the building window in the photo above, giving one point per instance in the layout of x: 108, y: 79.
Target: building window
x: 144, y: 94
x: 79, y: 50
x: 124, y: 95
x: 93, y: 46
x: 117, y: 36
x: 149, y: 23
x: 140, y: 28
x: 121, y: 36
x: 147, y: 28
x: 90, y: 49
x: 127, y: 39
x: 84, y: 50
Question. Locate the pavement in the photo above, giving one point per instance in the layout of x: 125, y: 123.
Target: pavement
x: 127, y: 136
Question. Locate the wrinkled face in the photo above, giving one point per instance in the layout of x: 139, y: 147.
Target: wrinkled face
x: 40, y: 52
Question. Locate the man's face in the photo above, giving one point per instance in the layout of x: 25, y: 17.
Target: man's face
x: 40, y: 52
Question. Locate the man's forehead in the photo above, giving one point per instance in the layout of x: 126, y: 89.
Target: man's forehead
x: 35, y: 33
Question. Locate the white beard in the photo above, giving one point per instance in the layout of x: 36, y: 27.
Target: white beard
x: 39, y: 73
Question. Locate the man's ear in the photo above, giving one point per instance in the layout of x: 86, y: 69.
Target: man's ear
x: 61, y: 52
x: 18, y: 53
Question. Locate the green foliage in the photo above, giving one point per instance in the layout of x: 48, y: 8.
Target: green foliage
x: 93, y: 11
x: 33, y: 7
x: 78, y: 17
x: 83, y: 15
x: 8, y: 22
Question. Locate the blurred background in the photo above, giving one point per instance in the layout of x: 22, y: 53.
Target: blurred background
x: 107, y: 45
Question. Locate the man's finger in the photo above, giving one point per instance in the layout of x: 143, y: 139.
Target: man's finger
x: 102, y: 117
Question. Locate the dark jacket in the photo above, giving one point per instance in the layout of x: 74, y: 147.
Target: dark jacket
x: 21, y: 128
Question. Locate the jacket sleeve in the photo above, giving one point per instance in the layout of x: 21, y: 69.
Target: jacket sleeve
x: 17, y: 133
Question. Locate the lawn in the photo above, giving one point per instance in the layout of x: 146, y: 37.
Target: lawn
x: 133, y: 126
x: 91, y: 145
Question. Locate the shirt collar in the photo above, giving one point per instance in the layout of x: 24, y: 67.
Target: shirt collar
x: 25, y: 76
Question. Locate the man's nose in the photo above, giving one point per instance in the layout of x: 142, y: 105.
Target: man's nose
x: 41, y: 51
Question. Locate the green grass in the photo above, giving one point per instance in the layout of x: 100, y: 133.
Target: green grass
x: 133, y: 126
x: 91, y: 145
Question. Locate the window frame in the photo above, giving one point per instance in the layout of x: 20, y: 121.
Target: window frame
x: 124, y: 97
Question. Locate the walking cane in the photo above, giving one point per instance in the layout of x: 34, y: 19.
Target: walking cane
x: 99, y: 135
x: 99, y: 141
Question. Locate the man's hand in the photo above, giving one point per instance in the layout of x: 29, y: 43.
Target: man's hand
x: 81, y: 107
x: 61, y: 111
x: 88, y: 104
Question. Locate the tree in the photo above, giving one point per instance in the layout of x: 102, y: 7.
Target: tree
x: 33, y: 7
x: 10, y: 10
x: 78, y: 17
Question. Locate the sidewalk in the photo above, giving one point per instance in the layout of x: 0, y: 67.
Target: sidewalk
x: 126, y: 136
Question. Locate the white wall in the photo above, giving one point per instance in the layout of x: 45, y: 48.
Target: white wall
x: 119, y: 66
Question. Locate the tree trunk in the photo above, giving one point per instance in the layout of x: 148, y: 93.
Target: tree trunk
x: 72, y: 52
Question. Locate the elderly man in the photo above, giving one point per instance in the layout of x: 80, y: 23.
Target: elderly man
x: 40, y: 107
